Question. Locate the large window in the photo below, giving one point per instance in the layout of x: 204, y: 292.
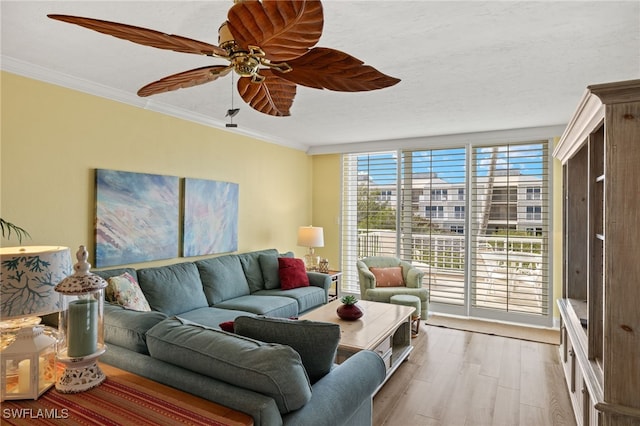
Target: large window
x: 414, y: 205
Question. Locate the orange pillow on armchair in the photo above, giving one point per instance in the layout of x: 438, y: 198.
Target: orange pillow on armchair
x: 388, y: 277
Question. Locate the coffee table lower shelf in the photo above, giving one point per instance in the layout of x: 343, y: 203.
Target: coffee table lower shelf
x: 384, y: 328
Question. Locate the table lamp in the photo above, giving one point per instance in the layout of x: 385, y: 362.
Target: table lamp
x: 28, y: 276
x: 311, y: 237
x: 81, y: 327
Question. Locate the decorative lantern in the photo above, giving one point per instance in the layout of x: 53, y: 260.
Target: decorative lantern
x: 28, y: 276
x: 81, y: 327
x: 28, y: 364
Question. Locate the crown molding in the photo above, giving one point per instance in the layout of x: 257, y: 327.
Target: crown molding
x: 445, y: 141
x: 46, y: 75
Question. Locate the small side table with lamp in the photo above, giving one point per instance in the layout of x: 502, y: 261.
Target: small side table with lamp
x: 334, y: 290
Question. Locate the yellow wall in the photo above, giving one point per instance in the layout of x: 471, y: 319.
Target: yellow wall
x: 327, y: 187
x: 54, y: 138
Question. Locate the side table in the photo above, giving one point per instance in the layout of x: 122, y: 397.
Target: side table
x: 334, y: 290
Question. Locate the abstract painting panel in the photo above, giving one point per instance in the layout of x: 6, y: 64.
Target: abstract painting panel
x: 210, y: 217
x: 137, y: 217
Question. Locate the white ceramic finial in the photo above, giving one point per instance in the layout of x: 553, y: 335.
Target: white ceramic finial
x: 82, y: 281
x: 82, y: 267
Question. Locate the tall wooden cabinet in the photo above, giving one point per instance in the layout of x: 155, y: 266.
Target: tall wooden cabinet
x: 600, y: 304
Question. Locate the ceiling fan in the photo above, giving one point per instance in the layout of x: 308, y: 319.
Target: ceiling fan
x: 268, y: 43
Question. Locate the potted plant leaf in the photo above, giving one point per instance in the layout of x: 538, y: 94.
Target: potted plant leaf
x: 8, y: 227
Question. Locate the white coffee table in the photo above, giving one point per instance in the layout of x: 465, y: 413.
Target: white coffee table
x: 384, y: 328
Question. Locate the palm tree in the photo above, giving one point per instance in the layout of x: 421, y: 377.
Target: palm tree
x: 487, y: 205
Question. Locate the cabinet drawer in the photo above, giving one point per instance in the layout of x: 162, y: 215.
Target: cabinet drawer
x: 387, y: 359
x: 384, y: 346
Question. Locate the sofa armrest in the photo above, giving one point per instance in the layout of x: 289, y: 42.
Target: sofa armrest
x: 414, y: 278
x: 366, y: 278
x: 317, y: 279
x: 344, y: 389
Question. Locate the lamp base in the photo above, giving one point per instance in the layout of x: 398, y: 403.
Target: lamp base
x: 81, y: 374
x: 311, y: 260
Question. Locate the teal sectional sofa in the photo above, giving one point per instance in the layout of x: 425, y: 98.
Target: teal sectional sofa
x: 279, y: 371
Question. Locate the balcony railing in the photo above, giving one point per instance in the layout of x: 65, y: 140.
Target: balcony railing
x: 446, y: 251
x: 508, y: 272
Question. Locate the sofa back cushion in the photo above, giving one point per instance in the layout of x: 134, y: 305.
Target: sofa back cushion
x: 172, y: 289
x: 270, y: 369
x: 222, y: 278
x: 108, y: 273
x: 252, y: 270
x: 270, y: 267
x: 316, y: 342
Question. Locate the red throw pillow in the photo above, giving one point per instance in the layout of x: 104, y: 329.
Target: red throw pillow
x: 388, y: 277
x: 227, y: 326
x: 292, y: 273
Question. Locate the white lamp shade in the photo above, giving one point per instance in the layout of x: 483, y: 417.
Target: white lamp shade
x: 28, y: 276
x: 311, y: 236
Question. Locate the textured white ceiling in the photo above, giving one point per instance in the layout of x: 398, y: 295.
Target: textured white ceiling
x: 466, y: 66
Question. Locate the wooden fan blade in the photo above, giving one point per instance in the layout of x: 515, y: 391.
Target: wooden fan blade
x: 144, y: 36
x: 273, y: 96
x: 324, y: 68
x: 284, y: 29
x: 185, y: 79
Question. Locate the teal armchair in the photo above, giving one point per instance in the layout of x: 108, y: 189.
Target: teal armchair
x: 412, y: 277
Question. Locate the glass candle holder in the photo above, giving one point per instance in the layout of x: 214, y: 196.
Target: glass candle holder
x: 81, y: 328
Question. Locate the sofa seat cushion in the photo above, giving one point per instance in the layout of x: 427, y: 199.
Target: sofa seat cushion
x: 274, y: 306
x: 306, y: 297
x: 383, y: 294
x: 128, y: 328
x: 172, y: 289
x: 316, y: 342
x: 271, y: 369
x: 222, y: 278
x: 212, y: 317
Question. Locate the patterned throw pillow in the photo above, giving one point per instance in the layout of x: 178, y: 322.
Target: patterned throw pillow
x: 125, y: 291
x: 388, y: 277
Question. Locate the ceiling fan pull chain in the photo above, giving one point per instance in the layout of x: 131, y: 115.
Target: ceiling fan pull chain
x: 233, y: 111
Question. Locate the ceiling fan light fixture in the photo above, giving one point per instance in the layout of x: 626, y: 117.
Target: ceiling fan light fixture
x: 225, y: 38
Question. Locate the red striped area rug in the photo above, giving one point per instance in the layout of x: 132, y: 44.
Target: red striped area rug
x: 111, y: 403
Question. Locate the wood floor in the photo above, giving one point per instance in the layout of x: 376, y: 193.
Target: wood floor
x: 456, y: 378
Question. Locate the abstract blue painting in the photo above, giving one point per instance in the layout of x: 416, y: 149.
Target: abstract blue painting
x: 210, y: 217
x: 137, y: 217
